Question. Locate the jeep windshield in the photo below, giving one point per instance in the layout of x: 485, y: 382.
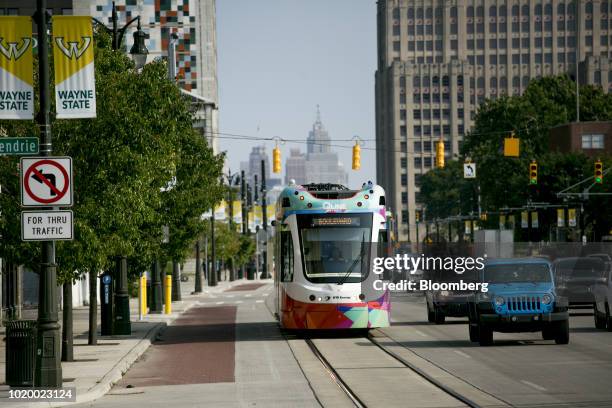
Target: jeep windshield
x: 519, y: 272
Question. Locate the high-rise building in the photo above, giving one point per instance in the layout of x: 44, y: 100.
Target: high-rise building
x: 258, y: 153
x: 322, y: 165
x: 295, y: 167
x: 439, y: 59
x: 194, y: 22
x: 318, y: 140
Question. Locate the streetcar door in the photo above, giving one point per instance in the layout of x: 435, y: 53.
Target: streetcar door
x: 286, y: 264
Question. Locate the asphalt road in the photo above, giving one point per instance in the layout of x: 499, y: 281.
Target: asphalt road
x: 520, y: 369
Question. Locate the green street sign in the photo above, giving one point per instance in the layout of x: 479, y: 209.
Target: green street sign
x: 16, y: 146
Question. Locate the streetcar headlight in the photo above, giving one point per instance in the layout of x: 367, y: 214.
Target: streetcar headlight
x: 444, y: 293
x: 546, y: 299
x: 499, y: 300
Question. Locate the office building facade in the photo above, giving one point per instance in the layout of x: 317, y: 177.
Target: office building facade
x: 439, y: 59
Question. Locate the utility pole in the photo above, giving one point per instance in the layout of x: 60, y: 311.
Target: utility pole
x: 156, y: 288
x: 212, y: 276
x: 198, y: 271
x: 264, y: 215
x: 122, y: 324
x: 244, y: 213
x: 48, y: 368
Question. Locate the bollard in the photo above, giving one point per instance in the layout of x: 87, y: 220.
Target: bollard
x: 143, y: 295
x: 168, y: 300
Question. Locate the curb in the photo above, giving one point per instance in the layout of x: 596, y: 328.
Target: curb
x: 115, y: 374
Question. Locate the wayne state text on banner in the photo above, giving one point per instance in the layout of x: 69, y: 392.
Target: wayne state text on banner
x: 73, y: 54
x: 16, y: 79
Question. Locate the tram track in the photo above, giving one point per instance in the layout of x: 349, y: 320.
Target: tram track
x: 359, y: 401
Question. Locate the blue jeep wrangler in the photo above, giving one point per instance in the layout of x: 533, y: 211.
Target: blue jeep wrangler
x: 521, y: 297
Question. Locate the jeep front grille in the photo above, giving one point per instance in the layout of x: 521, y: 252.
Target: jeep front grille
x: 524, y: 304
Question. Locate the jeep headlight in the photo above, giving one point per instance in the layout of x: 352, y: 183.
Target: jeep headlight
x: 547, y: 299
x: 499, y: 300
x: 444, y: 293
x: 483, y: 297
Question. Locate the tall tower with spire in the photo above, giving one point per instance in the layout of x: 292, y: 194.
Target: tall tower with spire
x: 318, y: 140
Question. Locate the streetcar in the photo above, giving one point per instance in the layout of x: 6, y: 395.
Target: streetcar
x: 326, y: 237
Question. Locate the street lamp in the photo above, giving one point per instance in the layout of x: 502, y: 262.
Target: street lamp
x: 139, y: 54
x: 139, y: 50
x: 233, y: 179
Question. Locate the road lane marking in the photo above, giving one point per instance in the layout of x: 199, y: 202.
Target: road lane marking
x: 420, y: 333
x: 536, y: 386
x: 230, y: 296
x: 259, y: 301
x: 219, y: 303
x: 238, y: 301
x: 247, y: 295
x: 461, y: 353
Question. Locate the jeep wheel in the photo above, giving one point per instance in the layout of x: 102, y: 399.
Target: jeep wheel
x: 473, y: 332
x: 548, y: 332
x: 485, y: 335
x: 562, y: 332
x: 600, y: 318
x: 439, y: 317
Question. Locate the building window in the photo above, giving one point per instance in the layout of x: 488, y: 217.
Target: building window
x: 503, y: 59
x: 537, y: 42
x: 460, y: 113
x: 592, y: 141
x: 427, y: 144
x: 404, y: 162
x: 417, y: 131
x: 404, y: 179
x: 436, y: 114
x: 460, y: 130
x: 588, y: 40
x: 454, y: 45
x: 416, y: 98
x: 417, y: 162
x: 416, y: 114
x: 427, y: 162
x: 404, y: 201
x: 493, y: 59
x: 417, y: 147
x: 516, y: 59
x: 560, y: 41
x: 405, y: 219
x: 525, y: 42
x: 426, y: 114
x: 538, y: 58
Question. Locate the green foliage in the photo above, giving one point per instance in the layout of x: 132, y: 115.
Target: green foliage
x: 546, y: 103
x: 123, y: 161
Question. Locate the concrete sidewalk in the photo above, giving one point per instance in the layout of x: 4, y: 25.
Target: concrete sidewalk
x: 96, y: 368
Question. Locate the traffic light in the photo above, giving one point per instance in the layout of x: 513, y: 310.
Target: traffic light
x: 599, y: 172
x: 533, y: 172
x: 276, y: 160
x: 440, y: 154
x: 356, y: 156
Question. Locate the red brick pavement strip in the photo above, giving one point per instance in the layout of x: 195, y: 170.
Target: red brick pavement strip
x: 244, y: 287
x: 198, y: 348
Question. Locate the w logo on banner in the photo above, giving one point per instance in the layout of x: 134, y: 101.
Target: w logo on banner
x: 73, y: 49
x: 12, y: 51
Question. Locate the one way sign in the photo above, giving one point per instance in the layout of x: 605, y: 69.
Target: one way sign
x: 46, y: 181
x: 469, y: 170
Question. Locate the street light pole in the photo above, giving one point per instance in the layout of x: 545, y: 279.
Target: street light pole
x: 243, y: 212
x: 198, y: 269
x: 48, y: 368
x: 264, y: 215
x: 230, y: 192
x: 212, y: 276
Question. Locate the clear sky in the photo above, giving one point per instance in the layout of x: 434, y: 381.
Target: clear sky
x: 278, y: 59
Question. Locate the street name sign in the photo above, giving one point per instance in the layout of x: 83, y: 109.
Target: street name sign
x: 469, y: 170
x: 47, y: 226
x: 46, y: 181
x: 14, y: 146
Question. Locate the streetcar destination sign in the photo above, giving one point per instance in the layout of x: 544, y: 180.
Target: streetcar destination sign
x: 46, y: 225
x: 13, y: 146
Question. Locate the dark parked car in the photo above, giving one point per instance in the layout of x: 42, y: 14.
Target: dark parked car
x: 576, y: 278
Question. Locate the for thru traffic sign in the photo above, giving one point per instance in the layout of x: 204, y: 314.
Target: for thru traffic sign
x: 46, y: 225
x: 46, y: 181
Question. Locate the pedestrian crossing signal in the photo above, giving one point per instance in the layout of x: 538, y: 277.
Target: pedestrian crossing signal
x: 356, y: 156
x: 599, y: 172
x: 533, y: 172
x: 276, y: 160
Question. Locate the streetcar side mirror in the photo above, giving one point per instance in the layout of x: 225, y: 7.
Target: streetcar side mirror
x: 273, y: 223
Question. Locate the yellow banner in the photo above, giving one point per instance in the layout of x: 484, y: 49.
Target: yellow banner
x: 524, y: 219
x: 502, y: 221
x: 534, y: 219
x: 571, y: 217
x: 73, y: 53
x: 16, y: 79
x: 560, y: 217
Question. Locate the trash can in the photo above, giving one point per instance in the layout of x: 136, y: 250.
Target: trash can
x: 20, y: 352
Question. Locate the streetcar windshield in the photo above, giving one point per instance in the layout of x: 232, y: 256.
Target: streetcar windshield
x: 335, y: 248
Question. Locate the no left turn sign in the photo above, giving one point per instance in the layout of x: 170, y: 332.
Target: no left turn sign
x: 46, y: 181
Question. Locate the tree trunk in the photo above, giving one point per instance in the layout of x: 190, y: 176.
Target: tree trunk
x: 67, y: 350
x: 92, y: 338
